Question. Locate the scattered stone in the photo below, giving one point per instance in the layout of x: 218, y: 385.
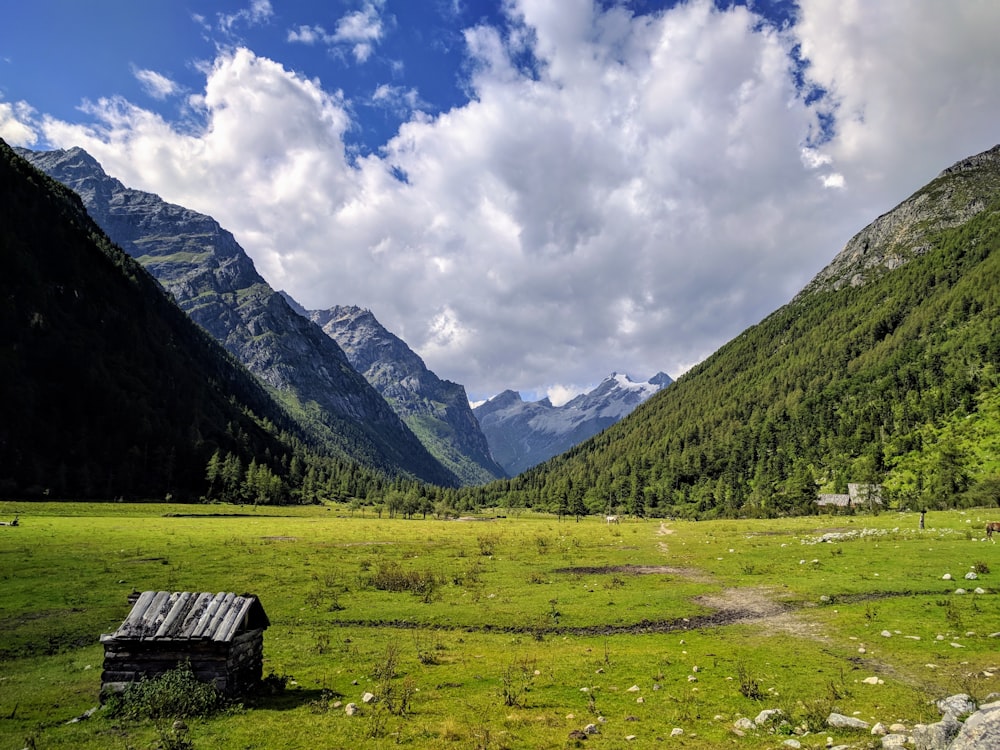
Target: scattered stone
x: 886, y: 634
x: 872, y: 681
x: 971, y: 576
x: 633, y: 689
x: 767, y: 715
x: 367, y: 697
x: 980, y: 730
x: 692, y: 678
x: 946, y: 577
x: 576, y: 734
x: 961, y: 591
x: 591, y: 729
x: 936, y: 736
x: 791, y: 743
x: 350, y: 709
x: 894, y: 740
x: 640, y: 699
x: 84, y: 716
x: 956, y: 705
x: 897, y: 728
x: 743, y: 723
x: 879, y: 729
x: 839, y: 721
x: 629, y: 737
x: 979, y: 590
x: 676, y: 732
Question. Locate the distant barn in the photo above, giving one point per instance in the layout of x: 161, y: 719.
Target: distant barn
x: 220, y: 635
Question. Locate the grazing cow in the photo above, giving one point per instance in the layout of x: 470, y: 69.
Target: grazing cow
x: 611, y: 519
x: 992, y: 526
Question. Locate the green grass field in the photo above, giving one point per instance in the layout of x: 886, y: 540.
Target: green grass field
x: 508, y: 632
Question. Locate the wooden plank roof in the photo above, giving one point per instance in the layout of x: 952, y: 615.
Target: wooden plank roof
x: 185, y: 616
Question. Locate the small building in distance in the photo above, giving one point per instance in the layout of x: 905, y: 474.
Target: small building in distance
x: 859, y: 496
x: 220, y: 635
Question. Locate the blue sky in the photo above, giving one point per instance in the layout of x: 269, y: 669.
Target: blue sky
x: 532, y: 193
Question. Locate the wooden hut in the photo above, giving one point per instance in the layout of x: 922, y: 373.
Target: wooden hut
x: 220, y: 635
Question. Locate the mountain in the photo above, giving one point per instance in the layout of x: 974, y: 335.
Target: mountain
x: 107, y: 389
x: 523, y: 434
x: 885, y: 368
x: 216, y: 283
x: 437, y: 411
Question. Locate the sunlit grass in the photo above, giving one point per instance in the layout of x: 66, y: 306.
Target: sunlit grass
x: 532, y: 627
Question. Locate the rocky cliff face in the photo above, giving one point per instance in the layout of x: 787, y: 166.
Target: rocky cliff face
x: 955, y: 196
x: 436, y: 410
x: 523, y: 434
x: 216, y: 283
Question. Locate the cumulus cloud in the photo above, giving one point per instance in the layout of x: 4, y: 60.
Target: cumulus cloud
x: 621, y: 192
x: 16, y: 124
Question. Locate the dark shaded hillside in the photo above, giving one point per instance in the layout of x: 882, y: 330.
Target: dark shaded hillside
x: 884, y: 369
x: 215, y: 282
x: 106, y: 388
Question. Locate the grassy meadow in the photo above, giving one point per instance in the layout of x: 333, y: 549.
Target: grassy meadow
x: 508, y: 632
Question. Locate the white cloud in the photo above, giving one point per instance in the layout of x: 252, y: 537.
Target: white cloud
x: 257, y: 13
x: 16, y: 124
x: 650, y: 187
x: 155, y: 84
x: 358, y: 30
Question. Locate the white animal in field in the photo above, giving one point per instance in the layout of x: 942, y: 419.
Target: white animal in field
x: 611, y: 519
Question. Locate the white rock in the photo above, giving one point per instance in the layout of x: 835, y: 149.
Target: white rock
x: 971, y: 576
x: 367, y: 697
x: 886, y: 634
x: 946, y: 577
x: 676, y: 732
x: 350, y: 709
x: 633, y: 689
x: 871, y: 680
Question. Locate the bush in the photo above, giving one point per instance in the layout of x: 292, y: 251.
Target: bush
x: 176, y: 694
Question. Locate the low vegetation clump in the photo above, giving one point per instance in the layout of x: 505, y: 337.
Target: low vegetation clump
x: 175, y: 694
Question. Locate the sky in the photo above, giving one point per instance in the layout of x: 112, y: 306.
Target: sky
x: 531, y: 193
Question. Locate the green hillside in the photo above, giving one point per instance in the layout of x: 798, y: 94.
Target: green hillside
x: 885, y: 369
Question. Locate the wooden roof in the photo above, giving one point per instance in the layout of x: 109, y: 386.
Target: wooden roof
x: 185, y: 616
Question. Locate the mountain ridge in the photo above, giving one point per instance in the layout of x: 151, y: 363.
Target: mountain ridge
x: 524, y: 434
x: 436, y: 410
x: 216, y: 283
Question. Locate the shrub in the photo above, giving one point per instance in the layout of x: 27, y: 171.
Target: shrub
x: 175, y: 694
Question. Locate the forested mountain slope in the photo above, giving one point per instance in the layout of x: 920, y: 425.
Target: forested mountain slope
x: 216, y: 283
x: 106, y: 388
x: 885, y: 369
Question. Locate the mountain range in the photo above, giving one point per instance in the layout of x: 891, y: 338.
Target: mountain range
x: 884, y: 369
x: 215, y: 282
x: 107, y: 389
x: 523, y: 434
x: 213, y: 279
x: 436, y: 410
